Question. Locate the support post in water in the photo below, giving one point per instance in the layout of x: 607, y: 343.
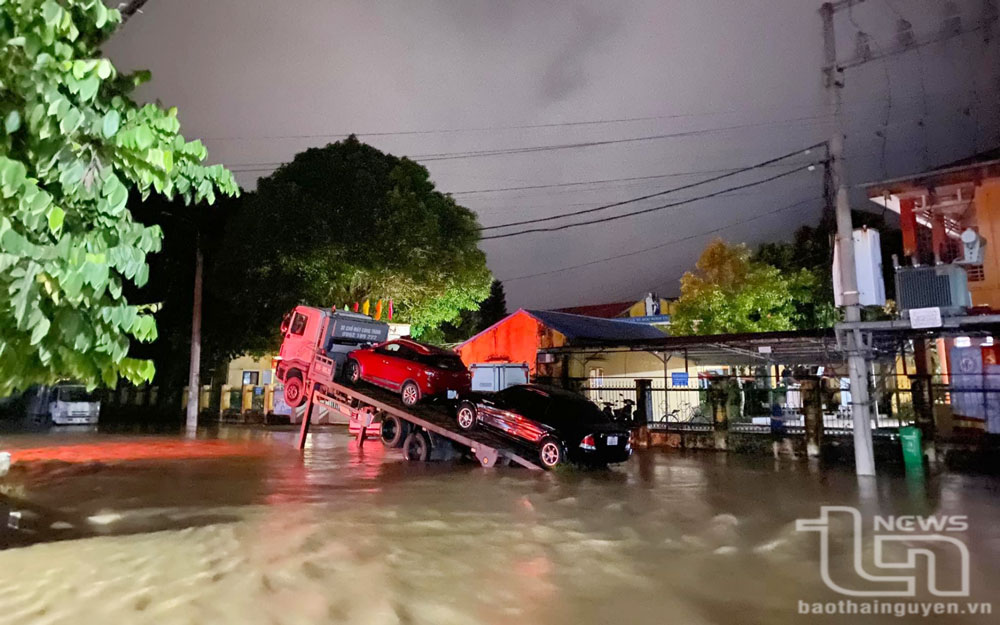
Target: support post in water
x: 812, y: 412
x: 307, y: 415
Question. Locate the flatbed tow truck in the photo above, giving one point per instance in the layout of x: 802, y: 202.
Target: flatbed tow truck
x: 424, y: 432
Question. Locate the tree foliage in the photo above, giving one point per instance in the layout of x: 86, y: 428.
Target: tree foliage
x: 728, y: 292
x: 471, y: 322
x: 341, y: 224
x: 811, y: 250
x: 73, y: 146
x: 493, y: 308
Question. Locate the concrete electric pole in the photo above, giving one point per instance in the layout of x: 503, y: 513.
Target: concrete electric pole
x: 864, y: 458
x: 194, y: 373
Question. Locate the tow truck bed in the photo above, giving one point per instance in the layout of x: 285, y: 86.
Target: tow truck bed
x: 487, y: 447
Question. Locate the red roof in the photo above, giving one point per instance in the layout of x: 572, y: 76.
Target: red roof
x: 604, y: 311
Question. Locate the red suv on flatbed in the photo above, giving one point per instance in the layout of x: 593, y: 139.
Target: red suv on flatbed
x: 412, y: 369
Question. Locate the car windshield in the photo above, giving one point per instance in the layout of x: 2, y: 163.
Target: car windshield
x: 443, y: 361
x: 75, y: 394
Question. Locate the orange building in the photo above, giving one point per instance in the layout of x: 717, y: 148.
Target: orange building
x: 935, y: 208
x: 517, y: 337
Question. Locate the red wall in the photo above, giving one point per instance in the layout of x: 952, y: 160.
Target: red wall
x: 515, y: 339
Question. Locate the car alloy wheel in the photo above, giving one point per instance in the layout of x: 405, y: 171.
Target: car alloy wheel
x: 550, y: 452
x: 466, y: 416
x: 353, y: 371
x: 411, y: 394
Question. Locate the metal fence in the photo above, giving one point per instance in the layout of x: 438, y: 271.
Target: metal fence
x: 753, y: 404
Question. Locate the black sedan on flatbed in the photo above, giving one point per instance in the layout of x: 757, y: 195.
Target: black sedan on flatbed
x: 563, y: 426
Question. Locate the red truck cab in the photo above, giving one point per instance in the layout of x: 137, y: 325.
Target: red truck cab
x: 315, y: 347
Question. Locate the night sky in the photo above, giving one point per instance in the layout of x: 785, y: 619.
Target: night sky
x: 730, y: 83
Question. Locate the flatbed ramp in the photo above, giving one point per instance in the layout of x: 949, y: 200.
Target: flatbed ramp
x: 374, y: 403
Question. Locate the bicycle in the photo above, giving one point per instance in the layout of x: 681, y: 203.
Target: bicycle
x: 685, y: 413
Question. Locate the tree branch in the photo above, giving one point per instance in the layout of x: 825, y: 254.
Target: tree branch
x: 130, y: 8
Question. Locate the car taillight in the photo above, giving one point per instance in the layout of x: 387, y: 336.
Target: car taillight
x: 588, y: 442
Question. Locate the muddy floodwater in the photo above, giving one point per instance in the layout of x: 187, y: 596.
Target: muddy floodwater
x: 239, y: 527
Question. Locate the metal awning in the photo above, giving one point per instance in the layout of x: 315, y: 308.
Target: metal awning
x: 882, y: 339
x: 779, y: 348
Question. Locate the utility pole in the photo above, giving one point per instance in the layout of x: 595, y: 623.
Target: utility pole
x: 864, y: 457
x: 194, y: 373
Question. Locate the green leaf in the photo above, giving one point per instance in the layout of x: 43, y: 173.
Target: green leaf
x: 70, y: 121
x: 104, y: 69
x: 12, y: 122
x: 100, y: 14
x: 38, y: 202
x: 143, y: 137
x: 40, y: 330
x: 56, y: 216
x: 88, y: 88
x: 12, y: 175
x: 37, y: 113
x: 112, y: 121
x: 51, y: 12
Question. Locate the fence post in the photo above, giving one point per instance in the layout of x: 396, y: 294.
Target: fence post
x: 923, y: 409
x: 644, y: 400
x: 812, y: 412
x: 717, y: 397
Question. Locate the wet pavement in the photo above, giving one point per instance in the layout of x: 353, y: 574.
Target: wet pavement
x: 239, y: 527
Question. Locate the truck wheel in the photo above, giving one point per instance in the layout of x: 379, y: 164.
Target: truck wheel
x: 295, y: 391
x: 410, y: 394
x: 550, y: 452
x: 466, y: 415
x: 416, y: 447
x: 353, y: 372
x: 394, y: 431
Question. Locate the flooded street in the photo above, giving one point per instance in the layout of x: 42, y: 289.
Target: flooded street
x: 241, y: 528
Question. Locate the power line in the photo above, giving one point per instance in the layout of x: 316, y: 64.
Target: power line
x: 649, y: 210
x: 392, y: 133
x: 658, y: 193
x: 508, y: 209
x: 864, y: 38
x: 443, y: 156
x: 664, y: 244
x: 593, y: 182
x: 268, y: 166
x: 593, y: 122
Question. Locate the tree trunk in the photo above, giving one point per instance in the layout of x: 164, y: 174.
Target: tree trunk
x: 194, y: 373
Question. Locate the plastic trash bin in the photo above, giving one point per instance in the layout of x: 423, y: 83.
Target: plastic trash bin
x: 913, y: 454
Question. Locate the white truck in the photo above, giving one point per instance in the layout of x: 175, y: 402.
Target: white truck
x: 64, y: 404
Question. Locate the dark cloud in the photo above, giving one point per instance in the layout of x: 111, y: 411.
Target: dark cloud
x: 263, y: 79
x: 566, y: 73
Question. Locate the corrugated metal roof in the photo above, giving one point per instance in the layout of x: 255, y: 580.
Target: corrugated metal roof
x: 605, y: 311
x: 580, y: 327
